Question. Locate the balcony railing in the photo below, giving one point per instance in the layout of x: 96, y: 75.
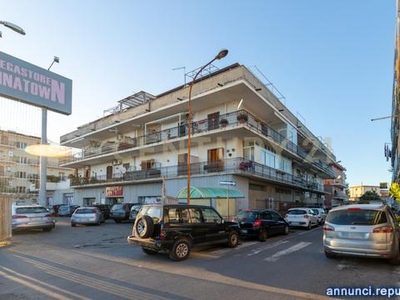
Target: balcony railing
x: 180, y: 131
x: 238, y: 166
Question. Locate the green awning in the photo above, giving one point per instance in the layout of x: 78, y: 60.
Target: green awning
x: 209, y: 192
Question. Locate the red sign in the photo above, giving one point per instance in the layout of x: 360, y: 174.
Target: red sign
x: 113, y: 191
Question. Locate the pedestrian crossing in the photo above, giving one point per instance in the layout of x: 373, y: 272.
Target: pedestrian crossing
x: 248, y: 249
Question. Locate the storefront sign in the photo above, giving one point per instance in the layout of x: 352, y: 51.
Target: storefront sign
x: 114, y: 191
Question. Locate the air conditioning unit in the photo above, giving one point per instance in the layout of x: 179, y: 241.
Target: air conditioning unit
x: 116, y: 162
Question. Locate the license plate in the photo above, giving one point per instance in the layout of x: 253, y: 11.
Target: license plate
x: 244, y: 231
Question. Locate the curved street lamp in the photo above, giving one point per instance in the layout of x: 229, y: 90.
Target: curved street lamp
x: 221, y: 54
x: 14, y: 27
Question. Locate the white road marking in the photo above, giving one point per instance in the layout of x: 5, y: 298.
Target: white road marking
x: 292, y: 249
x: 266, y: 247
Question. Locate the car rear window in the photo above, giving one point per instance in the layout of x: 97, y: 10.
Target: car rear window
x: 357, y: 217
x: 297, y: 212
x: 85, y: 211
x: 30, y: 210
x: 117, y: 207
x: 247, y: 215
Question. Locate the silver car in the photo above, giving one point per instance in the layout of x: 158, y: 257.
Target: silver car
x: 367, y: 230
x: 31, y: 217
x: 87, y: 216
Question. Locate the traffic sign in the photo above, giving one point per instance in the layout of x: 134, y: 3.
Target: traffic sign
x: 228, y: 182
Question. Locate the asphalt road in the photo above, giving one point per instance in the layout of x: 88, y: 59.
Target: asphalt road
x: 96, y: 262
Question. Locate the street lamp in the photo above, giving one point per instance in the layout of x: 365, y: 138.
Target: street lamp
x: 221, y: 54
x: 43, y: 158
x: 12, y: 26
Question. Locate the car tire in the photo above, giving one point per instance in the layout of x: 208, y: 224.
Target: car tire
x: 329, y: 254
x: 286, y: 230
x: 395, y: 260
x: 149, y: 251
x: 180, y: 250
x: 144, y: 227
x: 73, y: 224
x: 263, y: 235
x: 233, y: 239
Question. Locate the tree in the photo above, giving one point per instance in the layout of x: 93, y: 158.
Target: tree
x: 394, y: 191
x: 370, y: 195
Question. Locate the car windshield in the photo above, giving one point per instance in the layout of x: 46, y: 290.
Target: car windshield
x: 357, y: 217
x: 31, y: 210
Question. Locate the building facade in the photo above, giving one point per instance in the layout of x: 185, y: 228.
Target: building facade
x: 20, y: 171
x: 247, y: 150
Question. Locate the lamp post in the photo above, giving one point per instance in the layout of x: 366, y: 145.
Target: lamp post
x: 221, y: 54
x: 12, y: 26
x: 43, y: 158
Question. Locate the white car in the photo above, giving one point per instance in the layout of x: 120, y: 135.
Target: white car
x: 31, y: 217
x: 321, y: 215
x: 301, y: 217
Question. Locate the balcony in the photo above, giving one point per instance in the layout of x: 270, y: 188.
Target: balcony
x: 235, y: 166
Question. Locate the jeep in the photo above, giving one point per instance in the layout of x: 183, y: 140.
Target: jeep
x: 177, y: 228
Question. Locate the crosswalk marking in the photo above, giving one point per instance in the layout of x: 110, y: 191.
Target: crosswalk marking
x: 287, y: 251
x: 266, y: 247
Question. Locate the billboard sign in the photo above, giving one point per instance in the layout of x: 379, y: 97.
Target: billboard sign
x: 25, y: 82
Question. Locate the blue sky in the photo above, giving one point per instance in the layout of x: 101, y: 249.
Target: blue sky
x: 332, y: 60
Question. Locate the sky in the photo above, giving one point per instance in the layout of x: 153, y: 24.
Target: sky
x: 333, y: 61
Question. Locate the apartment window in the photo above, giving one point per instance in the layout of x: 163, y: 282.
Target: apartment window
x: 21, y: 145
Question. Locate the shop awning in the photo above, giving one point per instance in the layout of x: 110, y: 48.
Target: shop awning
x: 209, y: 192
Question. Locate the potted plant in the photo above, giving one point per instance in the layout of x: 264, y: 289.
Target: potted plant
x: 223, y: 122
x: 242, y: 117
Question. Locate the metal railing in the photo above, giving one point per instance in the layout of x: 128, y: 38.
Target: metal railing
x: 237, y: 166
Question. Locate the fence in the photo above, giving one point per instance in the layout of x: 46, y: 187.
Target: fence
x: 5, y: 219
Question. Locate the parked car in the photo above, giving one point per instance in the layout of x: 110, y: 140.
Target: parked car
x: 54, y: 209
x: 301, y: 217
x: 176, y: 228
x: 104, y: 208
x: 134, y: 211
x: 366, y: 230
x: 119, y: 212
x: 261, y: 223
x: 66, y: 210
x: 87, y: 216
x: 31, y: 217
x: 321, y: 215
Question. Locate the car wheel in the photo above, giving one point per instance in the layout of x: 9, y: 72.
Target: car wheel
x: 144, y: 227
x: 180, y: 250
x: 233, y: 239
x: 73, y: 224
x: 263, y: 235
x: 395, y: 260
x: 286, y: 230
x: 117, y: 221
x: 149, y: 252
x: 329, y: 254
x: 309, y: 225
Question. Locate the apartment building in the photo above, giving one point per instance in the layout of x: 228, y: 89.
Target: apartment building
x: 20, y: 171
x: 336, y: 188
x: 247, y: 150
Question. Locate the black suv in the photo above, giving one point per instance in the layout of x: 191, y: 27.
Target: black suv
x: 119, y: 212
x: 261, y: 223
x: 176, y: 228
x: 104, y: 208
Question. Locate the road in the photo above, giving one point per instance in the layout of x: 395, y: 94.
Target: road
x: 96, y: 263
